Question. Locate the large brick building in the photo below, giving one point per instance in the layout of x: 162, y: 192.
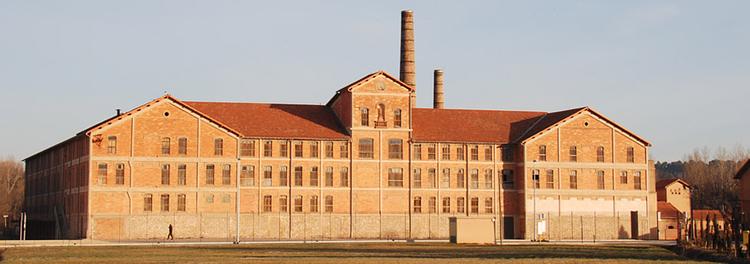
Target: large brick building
x: 368, y: 164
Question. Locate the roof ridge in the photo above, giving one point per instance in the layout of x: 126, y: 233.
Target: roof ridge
x: 481, y: 110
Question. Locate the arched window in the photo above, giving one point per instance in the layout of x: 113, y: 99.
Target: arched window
x: 397, y: 118
x: 364, y: 116
x: 600, y: 154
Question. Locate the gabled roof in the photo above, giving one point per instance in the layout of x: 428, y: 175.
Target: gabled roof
x: 667, y: 210
x: 557, y: 118
x: 743, y: 170
x: 661, y: 184
x: 275, y: 120
x: 476, y: 126
x: 349, y: 87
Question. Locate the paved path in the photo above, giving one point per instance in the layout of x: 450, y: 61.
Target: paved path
x: 185, y: 242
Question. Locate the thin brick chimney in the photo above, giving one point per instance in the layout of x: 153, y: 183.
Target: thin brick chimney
x: 438, y: 99
x: 407, y: 69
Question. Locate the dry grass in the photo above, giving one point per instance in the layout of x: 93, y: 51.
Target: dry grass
x: 379, y: 253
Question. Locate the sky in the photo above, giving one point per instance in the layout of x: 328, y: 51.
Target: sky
x: 674, y: 72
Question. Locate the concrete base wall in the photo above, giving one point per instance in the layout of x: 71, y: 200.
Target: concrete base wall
x: 586, y: 226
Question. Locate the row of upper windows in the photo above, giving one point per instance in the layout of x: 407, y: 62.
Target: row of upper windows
x: 549, y: 179
x: 380, y: 122
x: 148, y: 201
x: 396, y: 147
x: 297, y: 204
x: 166, y: 146
x: 573, y: 154
x: 446, y: 205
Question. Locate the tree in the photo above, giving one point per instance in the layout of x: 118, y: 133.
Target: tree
x: 11, y: 186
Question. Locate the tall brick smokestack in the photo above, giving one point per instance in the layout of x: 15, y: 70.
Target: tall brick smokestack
x: 438, y: 99
x: 407, y: 70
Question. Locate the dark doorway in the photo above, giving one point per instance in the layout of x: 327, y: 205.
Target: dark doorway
x: 634, y: 224
x: 508, y: 228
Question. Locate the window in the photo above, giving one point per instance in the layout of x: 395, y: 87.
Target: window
x: 574, y: 179
x: 631, y: 155
x: 226, y: 174
x: 314, y: 204
x: 181, y: 203
x: 474, y: 205
x: 344, y: 149
x: 210, y: 174
x: 314, y: 176
x: 488, y: 178
x: 165, y: 202
x: 600, y: 154
x: 397, y: 118
x: 329, y: 176
x: 283, y: 176
x: 268, y: 148
x: 550, y: 179
x: 446, y: 205
x: 120, y: 174
x: 329, y: 204
x: 535, y: 178
x: 283, y: 149
x: 417, y: 178
x: 460, y: 205
x: 432, y: 178
x: 507, y: 153
x: 112, y: 145
x: 344, y: 177
x: 283, y: 203
x: 165, y: 148
x: 417, y: 206
x: 488, y: 153
x: 329, y: 150
x: 297, y: 149
x: 600, y: 180
x: 267, y: 176
x: 623, y: 177
x: 474, y: 179
x: 267, y: 203
x: 637, y: 180
x: 395, y: 177
x: 417, y: 152
x: 247, y: 148
x: 298, y: 176
x: 210, y: 198
x: 298, y: 203
x: 460, y: 153
x: 364, y: 116
x: 102, y: 174
x: 181, y: 174
x: 314, y: 149
x: 542, y: 153
x: 148, y: 203
x: 446, y: 179
x: 446, y: 152
x: 165, y: 174
x: 431, y: 152
x: 573, y: 153
x: 475, y: 153
x: 365, y: 148
x: 460, y: 179
x: 182, y: 146
x: 218, y: 147
x: 508, y: 179
x: 395, y: 149
x: 247, y: 175
x: 432, y: 205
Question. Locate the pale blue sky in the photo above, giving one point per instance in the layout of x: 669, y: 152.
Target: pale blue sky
x: 674, y: 72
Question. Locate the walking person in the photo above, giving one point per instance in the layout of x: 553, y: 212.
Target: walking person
x: 169, y: 236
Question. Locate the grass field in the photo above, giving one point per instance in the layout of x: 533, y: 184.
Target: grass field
x: 380, y: 253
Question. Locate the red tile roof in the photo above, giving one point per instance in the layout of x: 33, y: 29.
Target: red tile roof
x: 743, y: 170
x: 702, y: 213
x: 667, y: 210
x: 660, y: 184
x: 275, y: 120
x: 477, y: 126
